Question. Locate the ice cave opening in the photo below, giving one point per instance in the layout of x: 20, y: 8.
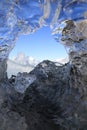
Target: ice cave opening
x: 31, y: 49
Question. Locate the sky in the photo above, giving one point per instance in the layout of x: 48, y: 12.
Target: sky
x: 39, y: 45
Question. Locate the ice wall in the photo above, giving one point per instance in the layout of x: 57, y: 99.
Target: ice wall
x: 26, y: 16
x: 23, y: 17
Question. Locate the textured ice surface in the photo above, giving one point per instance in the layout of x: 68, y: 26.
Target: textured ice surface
x: 22, y: 81
x: 26, y: 16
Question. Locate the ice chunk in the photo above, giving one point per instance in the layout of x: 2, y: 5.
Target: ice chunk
x: 22, y: 81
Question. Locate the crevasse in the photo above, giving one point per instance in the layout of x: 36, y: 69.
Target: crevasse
x: 67, y: 19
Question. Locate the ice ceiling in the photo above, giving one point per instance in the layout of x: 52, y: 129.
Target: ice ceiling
x: 67, y: 19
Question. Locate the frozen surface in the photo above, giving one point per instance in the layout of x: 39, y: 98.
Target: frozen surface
x: 22, y: 81
x: 26, y: 16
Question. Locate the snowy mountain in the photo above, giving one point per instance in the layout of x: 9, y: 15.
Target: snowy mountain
x: 22, y: 63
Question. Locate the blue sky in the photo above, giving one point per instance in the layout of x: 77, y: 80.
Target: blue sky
x: 40, y: 45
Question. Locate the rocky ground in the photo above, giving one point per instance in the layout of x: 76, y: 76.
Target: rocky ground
x: 50, y: 97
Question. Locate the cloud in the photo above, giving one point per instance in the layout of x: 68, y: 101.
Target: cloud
x: 20, y: 63
x: 24, y: 60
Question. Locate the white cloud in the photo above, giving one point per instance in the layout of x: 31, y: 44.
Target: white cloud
x: 20, y: 63
x: 24, y: 60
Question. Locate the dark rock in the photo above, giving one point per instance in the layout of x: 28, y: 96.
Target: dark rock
x: 9, y: 119
x: 55, y: 100
x: 3, y: 68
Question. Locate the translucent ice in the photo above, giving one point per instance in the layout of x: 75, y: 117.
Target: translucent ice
x: 65, y: 17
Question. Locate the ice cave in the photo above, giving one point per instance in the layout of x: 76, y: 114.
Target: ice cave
x: 56, y: 99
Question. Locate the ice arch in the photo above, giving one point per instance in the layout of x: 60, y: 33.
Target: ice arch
x: 26, y: 16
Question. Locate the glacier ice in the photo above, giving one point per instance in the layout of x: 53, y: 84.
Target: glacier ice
x: 22, y: 81
x: 65, y: 17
